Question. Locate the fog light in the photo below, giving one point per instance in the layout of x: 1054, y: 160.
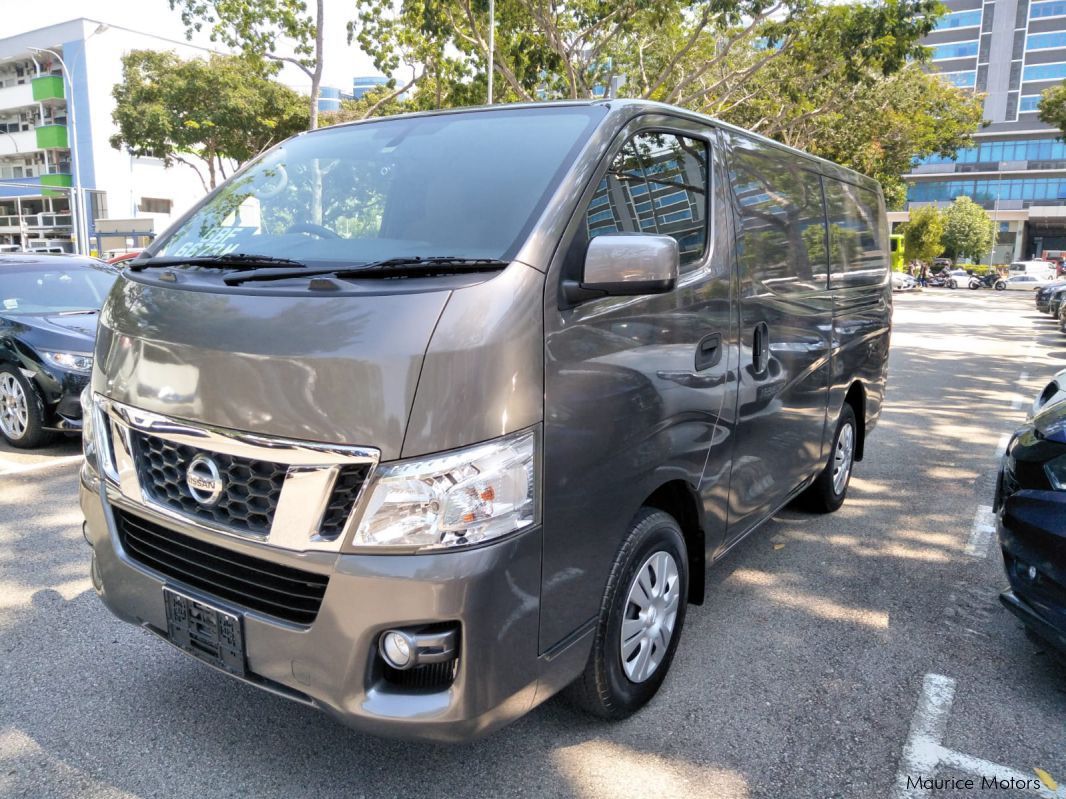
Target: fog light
x: 1032, y: 574
x: 397, y: 649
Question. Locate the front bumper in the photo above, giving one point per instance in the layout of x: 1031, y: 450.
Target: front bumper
x: 62, y: 394
x: 492, y: 592
x: 1032, y: 535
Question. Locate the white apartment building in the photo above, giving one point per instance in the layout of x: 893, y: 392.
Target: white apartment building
x: 39, y: 118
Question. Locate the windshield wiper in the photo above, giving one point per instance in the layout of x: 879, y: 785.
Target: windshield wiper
x: 388, y: 268
x: 239, y: 260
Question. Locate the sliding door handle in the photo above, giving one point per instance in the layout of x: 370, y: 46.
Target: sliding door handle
x: 760, y: 348
x: 708, y: 351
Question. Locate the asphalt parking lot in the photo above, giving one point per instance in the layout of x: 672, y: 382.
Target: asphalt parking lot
x: 835, y: 655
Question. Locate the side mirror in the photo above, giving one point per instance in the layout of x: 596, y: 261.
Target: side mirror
x: 624, y: 265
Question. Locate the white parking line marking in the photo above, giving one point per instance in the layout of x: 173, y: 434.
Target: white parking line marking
x: 1017, y: 403
x: 984, y: 525
x: 923, y: 752
x: 23, y: 468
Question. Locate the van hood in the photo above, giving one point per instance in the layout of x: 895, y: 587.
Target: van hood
x: 340, y: 370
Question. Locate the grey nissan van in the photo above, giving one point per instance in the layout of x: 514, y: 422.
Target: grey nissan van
x: 421, y: 420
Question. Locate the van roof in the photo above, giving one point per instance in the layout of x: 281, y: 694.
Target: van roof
x: 634, y: 107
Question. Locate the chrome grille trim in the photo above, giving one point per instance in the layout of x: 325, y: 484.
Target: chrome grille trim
x: 312, y: 470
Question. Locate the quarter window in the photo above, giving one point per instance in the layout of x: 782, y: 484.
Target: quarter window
x: 656, y: 184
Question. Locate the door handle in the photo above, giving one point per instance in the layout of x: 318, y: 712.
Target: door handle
x: 760, y: 348
x: 708, y: 351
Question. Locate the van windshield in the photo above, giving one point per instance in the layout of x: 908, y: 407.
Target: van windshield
x: 466, y: 185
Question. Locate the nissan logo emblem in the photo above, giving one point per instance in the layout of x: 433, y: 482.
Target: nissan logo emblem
x: 203, y: 480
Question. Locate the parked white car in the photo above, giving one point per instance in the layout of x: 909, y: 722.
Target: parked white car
x: 901, y: 281
x: 1021, y: 283
x: 960, y: 278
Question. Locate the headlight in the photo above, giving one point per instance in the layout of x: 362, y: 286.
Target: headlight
x: 1055, y: 469
x: 88, y: 427
x: 73, y: 361
x: 455, y: 499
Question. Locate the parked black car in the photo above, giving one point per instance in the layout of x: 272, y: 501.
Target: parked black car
x: 1031, y: 506
x: 1055, y: 300
x: 1043, y: 295
x: 48, y: 310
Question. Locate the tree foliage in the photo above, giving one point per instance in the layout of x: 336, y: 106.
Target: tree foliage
x: 923, y: 234
x: 842, y: 81
x: 260, y: 29
x: 1053, y: 107
x: 201, y: 112
x: 968, y: 231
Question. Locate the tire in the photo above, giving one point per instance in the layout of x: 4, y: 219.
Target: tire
x: 22, y: 412
x: 974, y: 286
x: 953, y: 285
x: 614, y: 688
x: 1000, y: 286
x: 827, y: 492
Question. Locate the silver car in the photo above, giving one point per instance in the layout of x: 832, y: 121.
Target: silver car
x: 424, y: 419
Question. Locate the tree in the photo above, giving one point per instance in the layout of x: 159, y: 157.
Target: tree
x: 258, y: 27
x: 923, y: 234
x: 968, y: 232
x: 841, y: 81
x: 1053, y: 107
x: 201, y: 112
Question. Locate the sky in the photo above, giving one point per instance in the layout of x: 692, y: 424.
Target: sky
x: 342, y: 62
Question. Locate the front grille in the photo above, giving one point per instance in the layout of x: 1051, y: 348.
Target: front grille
x: 282, y: 591
x: 345, y: 492
x: 250, y: 497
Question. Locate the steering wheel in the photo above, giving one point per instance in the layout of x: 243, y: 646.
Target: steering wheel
x: 314, y: 230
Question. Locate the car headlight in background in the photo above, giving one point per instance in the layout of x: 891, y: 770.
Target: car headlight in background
x: 454, y: 499
x: 1055, y: 469
x: 72, y: 361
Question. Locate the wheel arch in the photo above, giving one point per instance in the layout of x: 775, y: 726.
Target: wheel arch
x: 856, y: 398
x: 681, y: 501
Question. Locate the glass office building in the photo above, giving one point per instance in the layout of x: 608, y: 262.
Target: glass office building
x: 1010, y: 51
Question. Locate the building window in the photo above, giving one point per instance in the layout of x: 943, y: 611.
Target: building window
x: 1045, y: 72
x: 1028, y: 104
x: 154, y: 205
x: 1045, y: 41
x: 955, y: 50
x: 964, y: 80
x: 987, y: 192
x: 959, y: 19
x: 1056, y: 8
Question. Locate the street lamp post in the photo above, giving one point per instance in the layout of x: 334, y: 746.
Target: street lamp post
x: 77, y: 205
x: 492, y: 45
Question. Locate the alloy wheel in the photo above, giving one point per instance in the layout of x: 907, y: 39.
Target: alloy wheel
x: 14, y: 410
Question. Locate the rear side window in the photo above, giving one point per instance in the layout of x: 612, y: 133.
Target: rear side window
x: 782, y: 218
x: 656, y: 184
x: 857, y: 246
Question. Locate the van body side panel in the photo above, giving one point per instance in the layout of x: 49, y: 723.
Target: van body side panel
x: 785, y: 325
x: 626, y: 411
x: 861, y: 289
x: 483, y: 374
x: 333, y: 369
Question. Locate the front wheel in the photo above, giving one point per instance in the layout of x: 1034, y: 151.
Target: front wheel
x: 828, y: 491
x: 953, y: 285
x: 21, y: 411
x: 641, y: 616
x: 1000, y: 286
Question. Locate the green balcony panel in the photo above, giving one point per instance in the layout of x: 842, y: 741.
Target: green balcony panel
x: 52, y: 137
x: 47, y: 87
x: 56, y: 180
